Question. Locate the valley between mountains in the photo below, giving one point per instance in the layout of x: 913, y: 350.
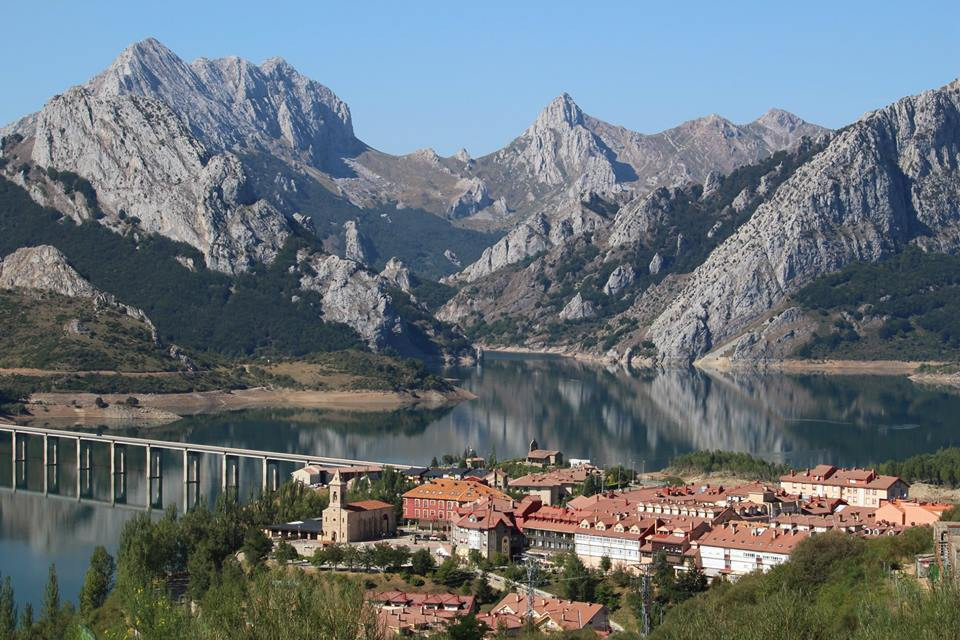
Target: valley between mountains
x: 218, y: 221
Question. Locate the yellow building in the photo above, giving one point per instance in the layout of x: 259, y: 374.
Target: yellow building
x: 356, y: 521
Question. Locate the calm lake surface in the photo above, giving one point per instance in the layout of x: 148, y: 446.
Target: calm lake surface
x: 586, y: 411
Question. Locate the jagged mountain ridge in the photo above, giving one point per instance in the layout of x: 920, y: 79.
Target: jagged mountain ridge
x: 885, y: 183
x: 599, y: 288
x: 251, y: 119
x: 569, y: 156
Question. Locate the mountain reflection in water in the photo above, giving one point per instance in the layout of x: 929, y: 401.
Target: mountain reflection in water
x: 584, y: 410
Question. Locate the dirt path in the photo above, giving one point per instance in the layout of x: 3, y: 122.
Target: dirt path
x: 51, y: 373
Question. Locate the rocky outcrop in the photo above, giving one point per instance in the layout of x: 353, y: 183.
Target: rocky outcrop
x: 356, y: 247
x: 397, y: 274
x: 473, y: 197
x: 144, y: 163
x: 528, y: 239
x: 578, y: 309
x: 351, y: 295
x: 43, y: 268
x: 232, y: 103
x: 620, y: 279
x: 887, y: 180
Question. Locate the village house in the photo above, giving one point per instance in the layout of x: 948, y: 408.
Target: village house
x: 550, y: 529
x: 548, y: 615
x: 911, y: 513
x: 551, y: 486
x: 487, y: 526
x: 738, y: 549
x: 434, y: 504
x: 674, y: 537
x: 620, y: 540
x: 403, y: 614
x: 543, y: 457
x: 310, y: 475
x: 356, y: 521
x: 857, y: 487
x: 314, y: 475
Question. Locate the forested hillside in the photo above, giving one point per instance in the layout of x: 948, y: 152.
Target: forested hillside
x: 261, y: 312
x: 906, y: 307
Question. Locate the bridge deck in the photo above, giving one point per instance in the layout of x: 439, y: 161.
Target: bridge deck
x: 306, y: 459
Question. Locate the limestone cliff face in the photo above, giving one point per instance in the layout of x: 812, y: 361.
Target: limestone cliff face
x: 232, y: 103
x: 887, y: 180
x: 142, y: 161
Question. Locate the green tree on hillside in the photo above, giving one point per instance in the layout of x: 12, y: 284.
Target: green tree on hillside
x: 98, y: 581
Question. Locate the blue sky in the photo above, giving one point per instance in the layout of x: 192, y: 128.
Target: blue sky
x: 448, y: 74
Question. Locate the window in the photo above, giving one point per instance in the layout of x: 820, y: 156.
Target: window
x: 417, y: 502
x: 417, y: 513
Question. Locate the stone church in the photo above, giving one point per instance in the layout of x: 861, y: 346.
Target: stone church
x: 356, y: 521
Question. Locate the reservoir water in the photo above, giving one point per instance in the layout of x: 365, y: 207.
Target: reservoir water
x: 584, y: 410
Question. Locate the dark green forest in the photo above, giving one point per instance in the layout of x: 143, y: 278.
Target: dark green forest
x: 911, y: 300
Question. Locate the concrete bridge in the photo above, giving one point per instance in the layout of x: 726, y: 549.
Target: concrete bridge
x: 229, y: 458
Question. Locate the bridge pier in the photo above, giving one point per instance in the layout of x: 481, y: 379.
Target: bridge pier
x: 51, y: 455
x: 230, y: 475
x: 154, y: 471
x: 18, y: 471
x: 263, y: 483
x: 118, y: 473
x: 191, y: 478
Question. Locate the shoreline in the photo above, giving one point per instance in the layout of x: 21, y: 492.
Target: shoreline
x: 906, y: 368
x: 545, y: 351
x: 155, y: 409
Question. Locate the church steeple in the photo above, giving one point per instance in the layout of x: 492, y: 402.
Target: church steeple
x: 337, y: 487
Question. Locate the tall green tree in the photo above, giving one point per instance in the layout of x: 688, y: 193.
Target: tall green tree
x: 422, y: 562
x: 591, y: 486
x: 98, y: 581
x: 8, y: 611
x: 51, y: 615
x: 577, y: 581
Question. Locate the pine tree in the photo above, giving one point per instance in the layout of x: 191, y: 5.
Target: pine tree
x: 8, y: 611
x: 50, y: 614
x: 26, y: 620
x: 98, y: 582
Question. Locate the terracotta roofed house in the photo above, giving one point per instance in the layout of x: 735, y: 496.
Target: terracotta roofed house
x: 857, y: 487
x: 550, y: 486
x: 549, y: 614
x: 436, y: 502
x: 488, y: 526
x: 543, y: 457
x: 738, y: 549
x: 910, y: 512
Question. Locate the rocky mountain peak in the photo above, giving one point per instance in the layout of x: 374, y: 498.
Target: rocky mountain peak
x: 561, y: 113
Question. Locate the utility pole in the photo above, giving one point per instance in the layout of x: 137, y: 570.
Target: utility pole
x: 645, y: 600
x: 531, y: 585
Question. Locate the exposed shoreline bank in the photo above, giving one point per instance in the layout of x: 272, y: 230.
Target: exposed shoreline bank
x: 545, y: 351
x: 155, y: 409
x: 907, y: 368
